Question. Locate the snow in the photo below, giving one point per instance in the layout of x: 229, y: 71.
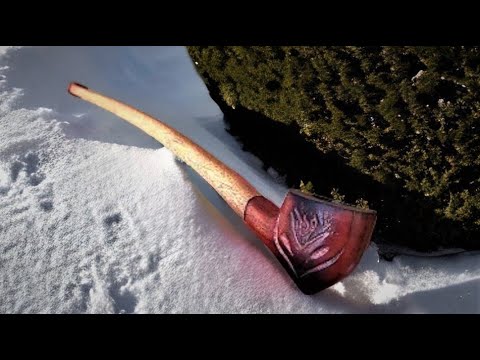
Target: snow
x: 96, y: 217
x: 5, y: 49
x: 417, y: 76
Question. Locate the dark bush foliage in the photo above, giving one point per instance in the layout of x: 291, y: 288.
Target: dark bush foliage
x: 407, y: 118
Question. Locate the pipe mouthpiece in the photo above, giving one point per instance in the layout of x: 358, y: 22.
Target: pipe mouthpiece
x: 73, y: 85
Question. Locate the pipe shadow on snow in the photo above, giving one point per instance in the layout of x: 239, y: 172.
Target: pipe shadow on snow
x: 219, y: 131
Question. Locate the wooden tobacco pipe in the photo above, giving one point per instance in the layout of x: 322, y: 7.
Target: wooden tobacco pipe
x: 317, y: 242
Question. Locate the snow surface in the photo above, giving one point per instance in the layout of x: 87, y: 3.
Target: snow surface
x: 97, y: 217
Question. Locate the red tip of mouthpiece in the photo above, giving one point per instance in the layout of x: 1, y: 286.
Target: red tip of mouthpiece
x: 73, y: 85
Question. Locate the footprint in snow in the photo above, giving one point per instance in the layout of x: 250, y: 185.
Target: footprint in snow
x: 112, y: 225
x: 28, y: 163
x: 46, y: 205
x: 117, y: 224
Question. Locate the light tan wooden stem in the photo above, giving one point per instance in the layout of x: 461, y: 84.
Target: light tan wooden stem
x: 232, y: 187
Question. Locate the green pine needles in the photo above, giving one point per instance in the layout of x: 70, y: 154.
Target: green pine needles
x: 408, y: 116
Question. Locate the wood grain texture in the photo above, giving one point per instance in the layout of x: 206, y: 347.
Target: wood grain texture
x: 232, y: 187
x: 261, y: 216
